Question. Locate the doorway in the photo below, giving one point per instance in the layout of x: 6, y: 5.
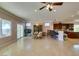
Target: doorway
x: 20, y: 31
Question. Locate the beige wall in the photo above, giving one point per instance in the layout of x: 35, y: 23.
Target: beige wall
x: 14, y: 20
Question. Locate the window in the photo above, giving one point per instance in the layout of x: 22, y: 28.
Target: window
x: 28, y: 24
x: 5, y: 28
x: 47, y: 24
x: 76, y: 27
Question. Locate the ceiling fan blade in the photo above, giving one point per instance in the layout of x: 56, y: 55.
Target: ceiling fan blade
x: 58, y: 3
x: 42, y: 7
x: 43, y: 2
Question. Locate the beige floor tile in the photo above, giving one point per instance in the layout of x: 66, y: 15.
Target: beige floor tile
x: 42, y: 47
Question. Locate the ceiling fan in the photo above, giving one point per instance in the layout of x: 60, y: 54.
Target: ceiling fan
x: 50, y: 5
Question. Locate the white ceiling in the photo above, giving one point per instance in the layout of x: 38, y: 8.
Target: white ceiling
x: 67, y: 12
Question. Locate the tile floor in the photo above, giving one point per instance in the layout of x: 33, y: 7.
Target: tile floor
x: 42, y: 47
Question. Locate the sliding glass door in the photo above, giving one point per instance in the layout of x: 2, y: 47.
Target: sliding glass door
x: 20, y: 31
x: 0, y: 27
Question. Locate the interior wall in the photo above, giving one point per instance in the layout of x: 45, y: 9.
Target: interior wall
x: 45, y: 28
x: 14, y: 21
x: 50, y: 27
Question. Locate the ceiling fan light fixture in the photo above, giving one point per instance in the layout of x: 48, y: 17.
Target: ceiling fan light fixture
x: 48, y: 6
x: 51, y: 7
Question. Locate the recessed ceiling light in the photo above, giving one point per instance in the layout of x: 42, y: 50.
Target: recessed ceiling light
x: 54, y: 10
x: 35, y: 10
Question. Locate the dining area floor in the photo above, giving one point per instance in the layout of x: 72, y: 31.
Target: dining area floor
x: 46, y: 46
